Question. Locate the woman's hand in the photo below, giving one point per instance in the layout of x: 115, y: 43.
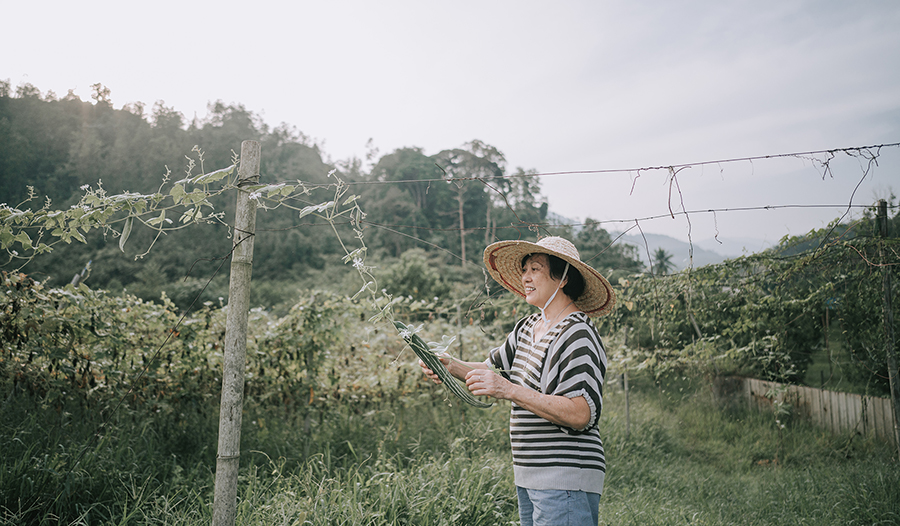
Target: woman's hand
x: 431, y: 374
x: 484, y: 382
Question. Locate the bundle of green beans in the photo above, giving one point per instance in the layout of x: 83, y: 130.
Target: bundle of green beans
x: 434, y: 363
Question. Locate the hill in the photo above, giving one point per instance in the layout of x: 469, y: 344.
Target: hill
x: 705, y: 252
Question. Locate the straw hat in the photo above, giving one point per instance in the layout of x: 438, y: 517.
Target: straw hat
x: 503, y: 260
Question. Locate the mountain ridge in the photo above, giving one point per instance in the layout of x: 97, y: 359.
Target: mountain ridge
x: 696, y: 254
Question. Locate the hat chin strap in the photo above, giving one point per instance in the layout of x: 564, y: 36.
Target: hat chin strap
x: 544, y: 308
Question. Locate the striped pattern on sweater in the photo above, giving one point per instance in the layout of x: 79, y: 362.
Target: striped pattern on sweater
x: 568, y: 361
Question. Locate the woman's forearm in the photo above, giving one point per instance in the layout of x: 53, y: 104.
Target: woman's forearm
x: 460, y: 369
x: 570, y: 412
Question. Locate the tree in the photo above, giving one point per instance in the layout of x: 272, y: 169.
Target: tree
x: 596, y: 247
x: 515, y: 201
x: 662, y: 262
x: 429, y: 200
x: 414, y: 275
x: 101, y: 94
x: 475, y: 160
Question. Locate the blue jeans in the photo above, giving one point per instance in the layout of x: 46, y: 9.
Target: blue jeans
x: 558, y: 507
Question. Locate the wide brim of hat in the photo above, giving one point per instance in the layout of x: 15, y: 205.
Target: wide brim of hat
x: 503, y: 260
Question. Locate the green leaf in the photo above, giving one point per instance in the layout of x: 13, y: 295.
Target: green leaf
x: 190, y: 215
x: 363, y: 289
x: 6, y: 238
x: 158, y: 220
x: 316, y: 208
x: 177, y: 193
x: 213, y: 176
x: 126, y: 231
x: 308, y: 210
x: 195, y: 197
x: 271, y: 190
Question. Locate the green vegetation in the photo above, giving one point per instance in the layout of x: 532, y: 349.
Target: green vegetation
x: 110, y: 387
x: 689, y: 462
x: 103, y: 424
x: 424, y: 459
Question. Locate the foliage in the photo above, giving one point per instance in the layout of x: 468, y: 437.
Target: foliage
x: 757, y: 315
x: 850, y: 269
x: 416, y: 276
x: 762, y: 315
x: 76, y: 361
x: 416, y: 460
x: 75, y: 348
x: 125, y: 154
x: 662, y: 262
x: 111, y: 397
x: 105, y: 171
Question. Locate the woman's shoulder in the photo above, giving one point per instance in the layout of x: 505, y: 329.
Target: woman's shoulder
x: 579, y: 322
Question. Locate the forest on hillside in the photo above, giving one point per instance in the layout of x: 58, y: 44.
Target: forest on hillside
x: 449, y: 205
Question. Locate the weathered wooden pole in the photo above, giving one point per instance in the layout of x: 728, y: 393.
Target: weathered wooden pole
x: 459, y: 329
x: 228, y: 457
x: 627, y: 405
x: 890, y: 341
x: 462, y: 225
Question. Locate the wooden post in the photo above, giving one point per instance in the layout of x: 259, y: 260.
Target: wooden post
x: 462, y: 225
x: 459, y: 329
x: 627, y: 405
x: 627, y: 394
x: 228, y: 457
x: 890, y: 342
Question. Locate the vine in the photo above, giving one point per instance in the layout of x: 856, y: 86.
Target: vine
x: 189, y: 198
x: 748, y: 313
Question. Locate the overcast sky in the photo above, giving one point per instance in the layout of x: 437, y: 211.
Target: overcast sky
x: 555, y: 86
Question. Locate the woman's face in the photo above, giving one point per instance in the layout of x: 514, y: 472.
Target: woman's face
x: 536, y: 280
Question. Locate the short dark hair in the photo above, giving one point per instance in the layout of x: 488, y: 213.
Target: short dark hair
x: 574, y: 287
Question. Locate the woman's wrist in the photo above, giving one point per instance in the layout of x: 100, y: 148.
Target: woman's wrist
x: 456, y: 368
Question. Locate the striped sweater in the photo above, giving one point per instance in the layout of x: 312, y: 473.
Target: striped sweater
x: 568, y: 361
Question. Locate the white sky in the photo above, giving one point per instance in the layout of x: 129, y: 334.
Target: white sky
x: 555, y: 86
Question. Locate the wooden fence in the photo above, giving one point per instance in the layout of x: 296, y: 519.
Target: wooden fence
x: 837, y: 412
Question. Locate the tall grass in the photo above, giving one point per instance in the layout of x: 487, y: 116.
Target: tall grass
x: 66, y: 468
x: 420, y: 460
x: 689, y: 462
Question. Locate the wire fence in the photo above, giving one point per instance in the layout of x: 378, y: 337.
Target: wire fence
x: 822, y: 160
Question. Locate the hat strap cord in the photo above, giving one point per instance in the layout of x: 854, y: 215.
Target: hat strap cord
x: 544, y: 309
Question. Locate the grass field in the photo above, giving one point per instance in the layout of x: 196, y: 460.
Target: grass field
x: 426, y: 460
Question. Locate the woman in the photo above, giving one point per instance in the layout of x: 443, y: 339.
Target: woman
x: 552, y: 368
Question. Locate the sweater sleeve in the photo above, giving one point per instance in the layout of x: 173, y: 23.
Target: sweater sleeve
x: 576, y: 366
